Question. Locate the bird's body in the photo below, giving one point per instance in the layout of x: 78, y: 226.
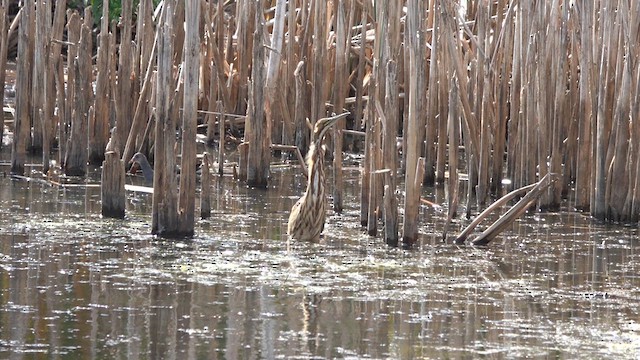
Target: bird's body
x: 141, y: 160
x: 308, y: 214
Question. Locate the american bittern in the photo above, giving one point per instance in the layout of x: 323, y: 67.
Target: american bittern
x: 307, y: 217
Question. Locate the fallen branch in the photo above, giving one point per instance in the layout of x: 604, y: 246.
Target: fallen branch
x: 535, y: 190
x: 296, y: 151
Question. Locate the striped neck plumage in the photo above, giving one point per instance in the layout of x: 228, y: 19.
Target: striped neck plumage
x: 316, y: 168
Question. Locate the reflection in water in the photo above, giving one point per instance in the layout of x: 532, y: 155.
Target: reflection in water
x: 74, y: 285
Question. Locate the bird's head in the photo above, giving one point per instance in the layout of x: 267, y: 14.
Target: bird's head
x: 137, y: 158
x: 323, y: 125
x: 136, y: 161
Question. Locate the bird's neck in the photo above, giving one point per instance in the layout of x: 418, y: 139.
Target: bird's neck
x: 316, y: 170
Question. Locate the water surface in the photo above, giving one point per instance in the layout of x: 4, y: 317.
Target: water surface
x: 76, y: 285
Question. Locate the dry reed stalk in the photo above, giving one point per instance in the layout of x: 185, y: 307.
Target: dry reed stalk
x: 573, y: 103
x: 365, y: 177
x: 245, y: 22
x: 376, y: 187
x: 387, y: 44
x: 145, y: 38
x: 205, y: 193
x: 540, y: 118
x: 360, y: 71
x: 340, y: 89
x: 145, y: 49
x: 288, y: 126
x: 142, y: 103
x: 164, y: 207
x: 73, y: 37
x: 75, y: 163
x: 632, y: 205
x: 598, y: 208
x: 179, y: 32
x: 443, y: 68
x: 56, y: 34
x: 415, y: 127
x: 560, y: 103
x: 513, y: 165
x: 529, y: 148
x: 212, y: 85
x: 221, y: 29
x: 617, y: 178
x: 586, y: 108
x: 40, y: 127
x: 273, y: 98
x: 191, y: 76
x: 482, y: 100
x: 99, y: 129
x: 455, y: 55
x: 206, y: 71
x: 58, y: 77
x: 259, y: 137
x: 176, y: 103
x: 221, y: 132
x: 360, y: 117
x: 218, y: 68
x: 433, y: 123
x: 634, y: 196
x: 4, y: 47
x: 500, y: 66
x: 318, y: 62
x: 518, y: 116
x: 371, y: 157
x: 390, y: 155
x: 300, y: 112
x: 453, y: 129
x: 124, y: 102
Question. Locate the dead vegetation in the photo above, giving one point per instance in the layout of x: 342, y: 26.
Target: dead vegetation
x: 514, y: 89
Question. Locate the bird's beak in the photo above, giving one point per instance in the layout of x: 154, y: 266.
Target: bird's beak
x: 334, y: 119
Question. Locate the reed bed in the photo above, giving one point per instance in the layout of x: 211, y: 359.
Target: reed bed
x: 516, y: 89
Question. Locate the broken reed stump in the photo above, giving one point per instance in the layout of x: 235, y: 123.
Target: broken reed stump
x: 164, y: 212
x: 205, y: 184
x: 191, y: 75
x: 243, y: 150
x: 259, y: 136
x: 112, y: 191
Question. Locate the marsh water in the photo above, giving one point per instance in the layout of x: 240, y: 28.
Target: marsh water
x: 75, y: 285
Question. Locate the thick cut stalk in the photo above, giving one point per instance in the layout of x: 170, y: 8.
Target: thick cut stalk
x: 187, y: 193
